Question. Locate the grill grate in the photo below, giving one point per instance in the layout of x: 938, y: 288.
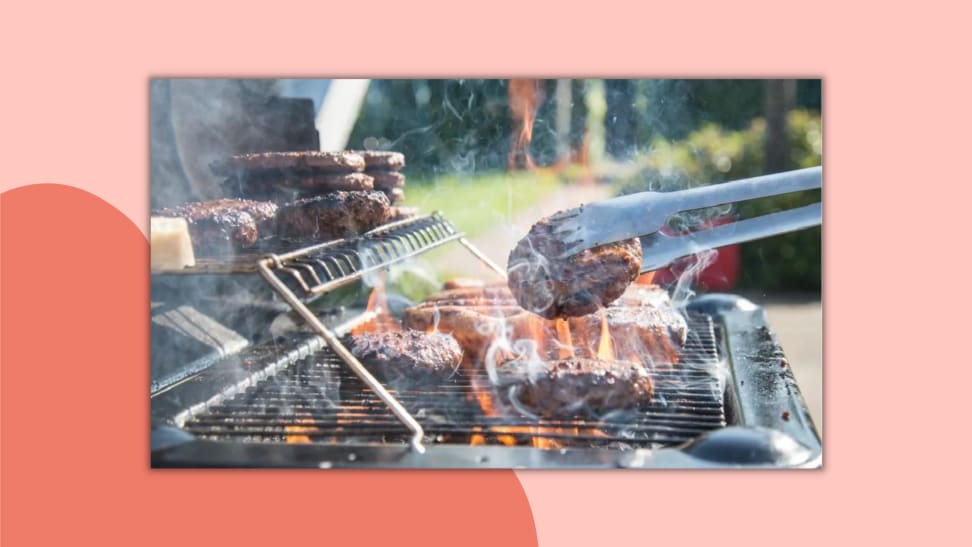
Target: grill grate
x: 318, y: 400
x: 320, y: 268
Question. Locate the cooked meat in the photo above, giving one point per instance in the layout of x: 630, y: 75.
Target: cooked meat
x: 306, y: 160
x: 568, y: 387
x: 474, y: 327
x: 288, y: 186
x: 464, y: 283
x: 493, y: 294
x: 381, y: 160
x: 395, y: 194
x: 403, y: 213
x: 332, y: 215
x: 408, y: 356
x: 387, y: 180
x: 224, y: 225
x: 573, y: 286
x: 642, y: 323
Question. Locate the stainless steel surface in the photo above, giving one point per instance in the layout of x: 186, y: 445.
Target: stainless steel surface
x: 659, y: 250
x: 645, y: 213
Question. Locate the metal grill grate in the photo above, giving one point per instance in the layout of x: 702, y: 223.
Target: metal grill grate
x: 318, y: 400
x: 321, y: 268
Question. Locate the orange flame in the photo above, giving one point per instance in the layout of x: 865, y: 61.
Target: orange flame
x: 566, y: 348
x: 377, y: 304
x: 524, y: 98
x: 645, y: 278
x: 299, y: 439
x: 605, y: 348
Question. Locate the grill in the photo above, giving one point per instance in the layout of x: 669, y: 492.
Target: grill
x: 304, y: 400
x: 316, y: 399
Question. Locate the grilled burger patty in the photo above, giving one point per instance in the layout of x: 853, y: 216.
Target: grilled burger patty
x: 306, y: 160
x: 224, y: 225
x: 573, y: 286
x: 409, y: 355
x: 333, y: 215
x: 395, y: 195
x: 642, y: 323
x: 387, y: 180
x: 287, y: 185
x: 381, y: 160
x: 567, y: 387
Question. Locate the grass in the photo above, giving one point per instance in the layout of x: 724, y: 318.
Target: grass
x: 477, y: 203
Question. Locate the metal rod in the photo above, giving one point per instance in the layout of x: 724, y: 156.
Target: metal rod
x: 429, y: 237
x: 354, y: 276
x: 482, y: 257
x: 332, y: 341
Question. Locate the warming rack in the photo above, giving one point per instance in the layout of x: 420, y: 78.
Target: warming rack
x: 304, y: 274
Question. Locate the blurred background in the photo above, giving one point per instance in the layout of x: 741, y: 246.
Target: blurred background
x: 496, y: 155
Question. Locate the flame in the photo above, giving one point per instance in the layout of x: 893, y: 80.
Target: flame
x: 524, y: 98
x: 378, y: 305
x: 566, y: 347
x: 300, y: 439
x: 605, y: 348
x: 645, y: 278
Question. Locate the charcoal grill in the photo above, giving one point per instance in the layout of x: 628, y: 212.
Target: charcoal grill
x: 304, y: 401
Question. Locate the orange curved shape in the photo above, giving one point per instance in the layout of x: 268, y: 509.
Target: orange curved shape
x: 75, y: 446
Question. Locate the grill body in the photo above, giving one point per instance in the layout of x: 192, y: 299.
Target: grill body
x: 729, y: 403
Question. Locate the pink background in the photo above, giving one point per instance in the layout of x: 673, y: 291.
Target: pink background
x: 74, y: 111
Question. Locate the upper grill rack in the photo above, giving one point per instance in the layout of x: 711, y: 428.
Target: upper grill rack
x: 315, y: 400
x: 315, y: 270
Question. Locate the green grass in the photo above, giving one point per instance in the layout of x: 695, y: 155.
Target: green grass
x: 477, y: 203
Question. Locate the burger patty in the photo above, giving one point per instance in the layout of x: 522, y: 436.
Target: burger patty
x: 305, y: 160
x: 408, y: 356
x: 224, y: 225
x: 387, y: 180
x: 288, y: 186
x: 395, y: 195
x: 642, y: 323
x: 568, y: 387
x: 572, y: 286
x: 381, y: 160
x: 403, y: 213
x: 333, y: 215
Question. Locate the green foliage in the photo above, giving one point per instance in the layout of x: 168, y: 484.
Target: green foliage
x: 713, y: 154
x: 480, y: 203
x: 442, y: 126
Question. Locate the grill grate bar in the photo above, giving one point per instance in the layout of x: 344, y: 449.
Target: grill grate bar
x: 319, y: 400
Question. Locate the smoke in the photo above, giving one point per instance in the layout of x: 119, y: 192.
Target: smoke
x: 694, y: 265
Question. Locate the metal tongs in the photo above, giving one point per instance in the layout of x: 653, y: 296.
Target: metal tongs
x: 645, y: 214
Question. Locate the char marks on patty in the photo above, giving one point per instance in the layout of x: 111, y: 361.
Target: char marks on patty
x: 305, y: 160
x: 573, y: 286
x: 568, y: 387
x: 332, y: 216
x: 224, y: 226
x: 408, y: 356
